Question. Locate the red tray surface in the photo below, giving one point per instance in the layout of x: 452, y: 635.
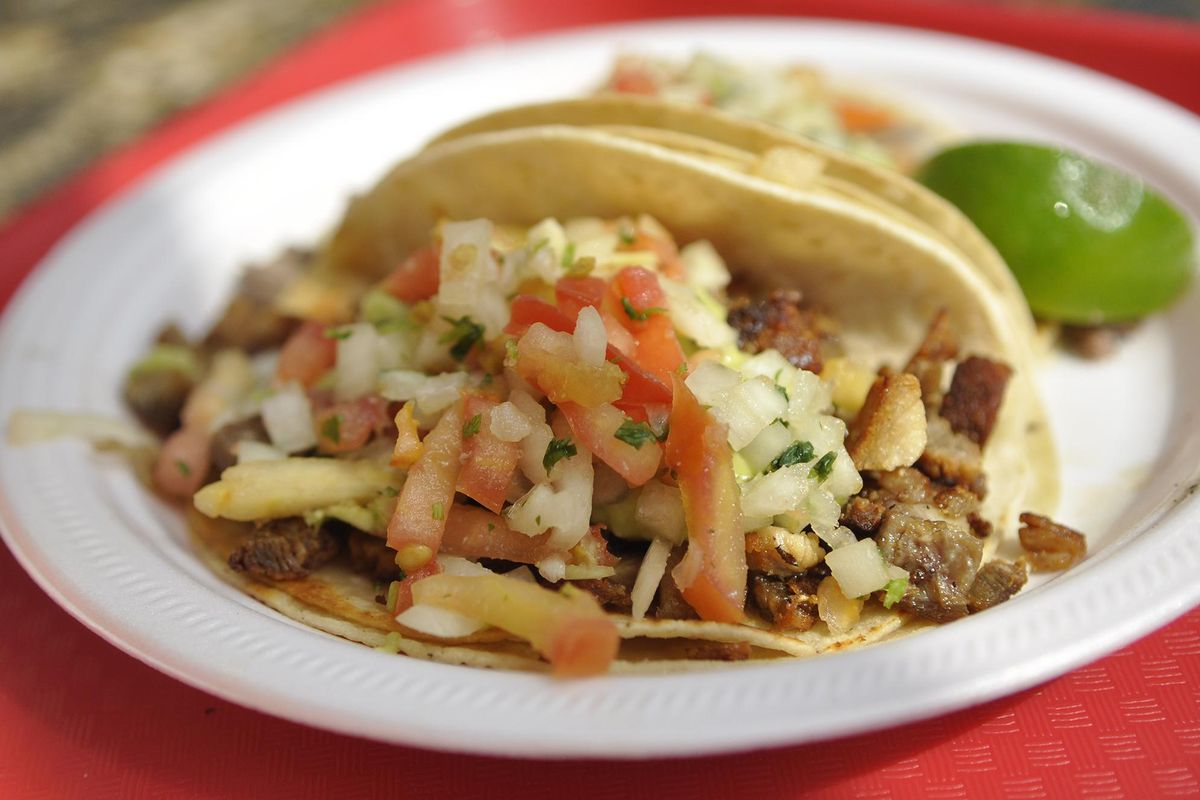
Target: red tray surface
x: 80, y: 718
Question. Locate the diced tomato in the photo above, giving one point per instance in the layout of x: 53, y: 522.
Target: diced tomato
x: 569, y: 628
x: 712, y: 574
x: 488, y: 462
x: 640, y: 386
x: 417, y: 277
x: 348, y: 425
x: 859, y: 117
x: 182, y: 463
x: 548, y: 359
x: 669, y: 262
x: 597, y: 428
x: 632, y: 78
x: 404, y: 593
x: 574, y: 294
x: 658, y: 347
x: 306, y: 355
x: 475, y: 533
x: 428, y: 493
x: 408, y: 442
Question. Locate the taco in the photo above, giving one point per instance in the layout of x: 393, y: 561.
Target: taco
x: 547, y: 433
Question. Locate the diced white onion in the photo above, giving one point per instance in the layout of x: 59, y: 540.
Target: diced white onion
x: 394, y: 349
x: 837, y: 537
x: 457, y: 565
x: 834, y: 608
x: 439, y: 622
x: 27, y: 427
x: 465, y: 267
x: 439, y: 391
x: 400, y: 384
x: 858, y: 568
x: 591, y: 340
x: 748, y: 408
x: 770, y: 442
x: 701, y: 322
x: 650, y: 574
x: 776, y: 492
x: 548, y: 241
x: 710, y: 380
x: 552, y: 568
x: 533, y: 451
x: 249, y: 450
x: 660, y: 511
x: 287, y: 416
x: 521, y: 573
x: 704, y: 266
x: 357, y: 363
x: 508, y: 424
x: 587, y: 572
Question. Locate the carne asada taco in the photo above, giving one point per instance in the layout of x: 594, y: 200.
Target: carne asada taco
x: 597, y: 398
x: 779, y: 154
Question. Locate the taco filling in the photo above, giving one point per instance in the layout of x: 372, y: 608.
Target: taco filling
x: 578, y: 442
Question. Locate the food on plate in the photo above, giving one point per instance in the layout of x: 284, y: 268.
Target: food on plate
x: 1090, y: 244
x: 567, y: 398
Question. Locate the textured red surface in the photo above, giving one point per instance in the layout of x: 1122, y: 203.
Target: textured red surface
x: 80, y: 718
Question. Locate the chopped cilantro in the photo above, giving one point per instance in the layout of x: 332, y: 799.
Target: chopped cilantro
x: 472, y: 426
x: 183, y: 467
x: 331, y: 428
x: 626, y: 233
x: 338, y: 333
x: 894, y: 591
x: 794, y: 453
x: 465, y: 333
x: 682, y: 369
x: 487, y: 379
x: 510, y: 352
x: 822, y: 468
x: 782, y: 391
x: 568, y: 257
x: 390, y: 491
x: 582, y: 267
x: 642, y: 315
x: 635, y: 434
x: 557, y: 450
x: 538, y: 245
x: 439, y: 511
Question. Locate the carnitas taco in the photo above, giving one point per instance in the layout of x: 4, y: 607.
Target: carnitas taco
x: 561, y: 398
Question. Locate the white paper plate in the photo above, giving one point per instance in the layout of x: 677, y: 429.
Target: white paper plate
x: 118, y: 560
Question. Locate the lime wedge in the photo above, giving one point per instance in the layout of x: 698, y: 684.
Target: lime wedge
x: 1087, y: 242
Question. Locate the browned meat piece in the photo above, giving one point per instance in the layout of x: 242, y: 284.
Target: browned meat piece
x: 928, y: 363
x: 669, y: 602
x: 889, y: 431
x: 250, y: 322
x: 979, y: 526
x: 776, y: 551
x: 612, y: 595
x: 156, y: 397
x: 223, y: 450
x: 941, y: 558
x: 862, y: 514
x: 973, y: 402
x: 1095, y: 341
x: 781, y: 322
x: 789, y: 603
x: 952, y: 458
x: 285, y: 549
x: 997, y: 581
x: 698, y: 650
x: 1051, y: 547
x: 911, y: 486
x: 371, y: 556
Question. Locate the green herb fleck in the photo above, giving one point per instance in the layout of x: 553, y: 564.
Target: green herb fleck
x: 338, y: 333
x: 538, y: 520
x: 183, y: 467
x: 682, y: 369
x: 472, y: 426
x: 331, y: 428
x: 557, y: 450
x: 538, y: 245
x: 635, y: 434
x: 582, y: 267
x: 626, y: 233
x: 794, y: 453
x: 389, y: 491
x: 510, y: 352
x: 642, y: 315
x: 487, y: 379
x: 439, y: 511
x: 465, y: 333
x: 568, y: 257
x: 392, y: 595
x: 491, y: 527
x: 894, y: 591
x: 822, y: 468
x: 782, y: 391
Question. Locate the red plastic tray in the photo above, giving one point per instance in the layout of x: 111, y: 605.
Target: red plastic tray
x: 80, y: 718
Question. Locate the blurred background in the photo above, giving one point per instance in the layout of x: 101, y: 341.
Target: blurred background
x: 79, y: 77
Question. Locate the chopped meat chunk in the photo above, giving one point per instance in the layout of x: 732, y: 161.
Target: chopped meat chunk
x: 781, y: 322
x: 669, y: 602
x: 789, y: 603
x: 939, y: 346
x: 699, y: 650
x: 882, y: 490
x: 613, y: 596
x: 371, y: 556
x: 952, y: 458
x: 1050, y: 546
x: 250, y: 322
x: 997, y: 581
x: 156, y: 397
x: 973, y: 402
x: 223, y: 449
x: 285, y: 549
x: 776, y: 551
x: 863, y: 514
x: 889, y: 431
x: 979, y: 526
x: 941, y: 557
